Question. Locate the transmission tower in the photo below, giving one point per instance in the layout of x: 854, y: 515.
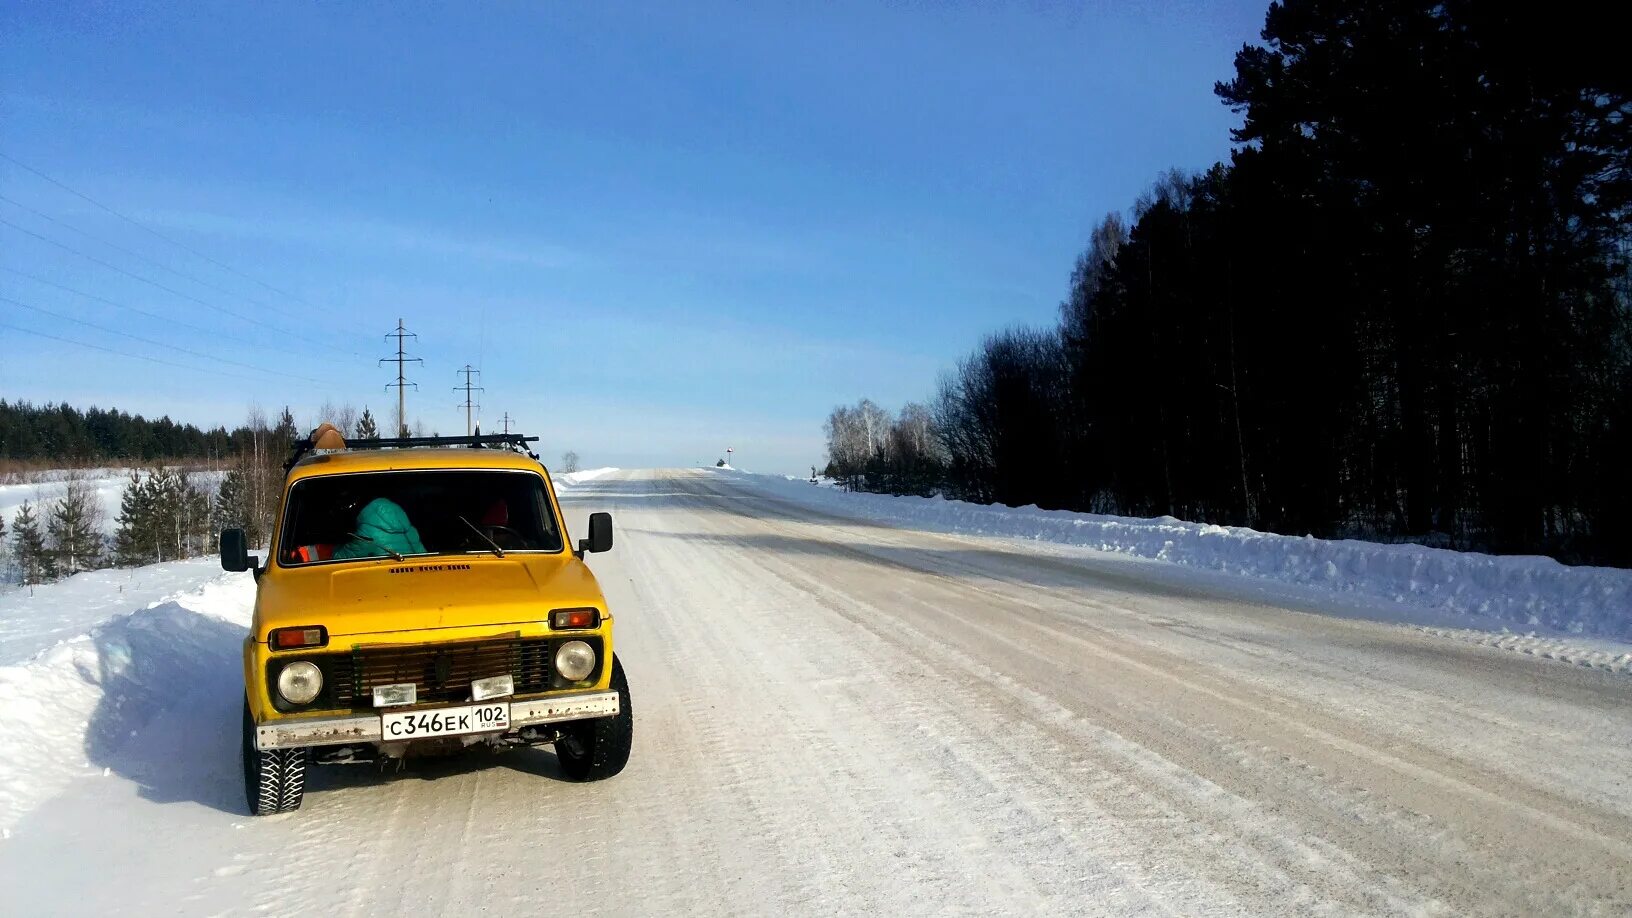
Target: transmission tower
x: 468, y: 389
x: 402, y: 383
x: 506, y: 420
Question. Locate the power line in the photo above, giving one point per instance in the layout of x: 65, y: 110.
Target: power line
x: 109, y: 350
x: 134, y: 254
x: 134, y: 337
x: 170, y: 290
x: 134, y: 222
x: 402, y: 382
x: 136, y: 309
x: 507, y: 421
x: 467, y: 388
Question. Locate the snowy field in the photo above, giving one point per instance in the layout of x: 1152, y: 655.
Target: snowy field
x: 108, y: 484
x: 837, y: 716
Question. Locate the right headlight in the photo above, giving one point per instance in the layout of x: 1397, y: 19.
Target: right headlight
x: 574, y: 661
x: 300, y: 682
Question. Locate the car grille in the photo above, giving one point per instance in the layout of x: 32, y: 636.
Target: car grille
x: 440, y: 672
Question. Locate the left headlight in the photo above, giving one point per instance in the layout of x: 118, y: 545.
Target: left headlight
x: 300, y: 682
x: 575, y: 661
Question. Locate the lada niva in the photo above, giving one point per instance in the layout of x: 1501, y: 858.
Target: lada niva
x: 421, y: 596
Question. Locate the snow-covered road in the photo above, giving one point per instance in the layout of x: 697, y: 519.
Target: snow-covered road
x: 838, y: 717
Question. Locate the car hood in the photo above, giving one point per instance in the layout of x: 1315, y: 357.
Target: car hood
x: 375, y: 596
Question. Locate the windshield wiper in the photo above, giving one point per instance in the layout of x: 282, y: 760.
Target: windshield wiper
x: 398, y: 556
x: 485, y: 537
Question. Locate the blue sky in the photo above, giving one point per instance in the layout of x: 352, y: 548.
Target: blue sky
x: 660, y: 230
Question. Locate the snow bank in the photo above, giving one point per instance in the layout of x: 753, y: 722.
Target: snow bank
x: 1521, y: 591
x: 33, y: 620
x: 576, y: 478
x: 66, y: 712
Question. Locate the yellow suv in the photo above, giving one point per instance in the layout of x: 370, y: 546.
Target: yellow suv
x: 422, y: 597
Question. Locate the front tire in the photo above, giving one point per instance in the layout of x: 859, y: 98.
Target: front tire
x: 274, y: 779
x: 594, y: 750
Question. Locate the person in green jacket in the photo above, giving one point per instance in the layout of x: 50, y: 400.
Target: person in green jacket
x: 382, y: 529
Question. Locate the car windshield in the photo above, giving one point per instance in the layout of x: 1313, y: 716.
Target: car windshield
x: 398, y: 514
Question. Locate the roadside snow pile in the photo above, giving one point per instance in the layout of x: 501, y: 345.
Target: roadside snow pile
x: 69, y: 710
x: 71, y: 607
x: 577, y: 478
x: 1515, y: 591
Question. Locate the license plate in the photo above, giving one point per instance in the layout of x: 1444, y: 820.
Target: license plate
x: 474, y: 718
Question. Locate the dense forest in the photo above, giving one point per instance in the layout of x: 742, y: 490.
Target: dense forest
x: 62, y: 433
x: 1401, y: 310
x: 56, y: 435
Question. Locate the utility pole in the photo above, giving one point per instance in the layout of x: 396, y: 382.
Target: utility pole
x: 402, y: 383
x: 467, y: 388
x: 506, y: 421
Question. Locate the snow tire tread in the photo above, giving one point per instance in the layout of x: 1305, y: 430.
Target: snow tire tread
x: 274, y: 779
x: 292, y: 779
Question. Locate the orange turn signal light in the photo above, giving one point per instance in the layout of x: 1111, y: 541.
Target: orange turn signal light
x: 567, y: 619
x: 303, y: 636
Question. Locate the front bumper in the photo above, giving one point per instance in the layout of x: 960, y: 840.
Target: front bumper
x: 365, y: 728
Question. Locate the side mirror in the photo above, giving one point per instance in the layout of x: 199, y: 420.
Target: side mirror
x: 235, y: 555
x: 600, y: 534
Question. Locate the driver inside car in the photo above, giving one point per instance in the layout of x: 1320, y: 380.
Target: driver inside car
x: 495, y: 525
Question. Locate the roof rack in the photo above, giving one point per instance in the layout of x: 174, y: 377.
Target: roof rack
x: 514, y: 441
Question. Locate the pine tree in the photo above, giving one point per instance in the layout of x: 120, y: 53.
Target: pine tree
x: 232, y: 510
x: 32, y: 560
x: 134, y: 542
x: 170, y: 529
x: 284, y: 435
x: 366, y: 428
x: 73, y: 530
x: 169, y: 534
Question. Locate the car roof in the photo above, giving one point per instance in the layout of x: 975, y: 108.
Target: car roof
x: 386, y: 460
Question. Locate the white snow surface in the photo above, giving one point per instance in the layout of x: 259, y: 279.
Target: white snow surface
x: 1486, y: 591
x: 570, y: 479
x: 838, y: 717
x: 64, y: 711
x: 32, y: 620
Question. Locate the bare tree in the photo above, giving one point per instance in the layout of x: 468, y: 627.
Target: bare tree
x: 875, y: 427
x: 324, y: 413
x: 846, y: 445
x: 569, y: 462
x: 248, y: 495
x: 858, y: 442
x: 345, y: 418
x: 1093, y: 266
